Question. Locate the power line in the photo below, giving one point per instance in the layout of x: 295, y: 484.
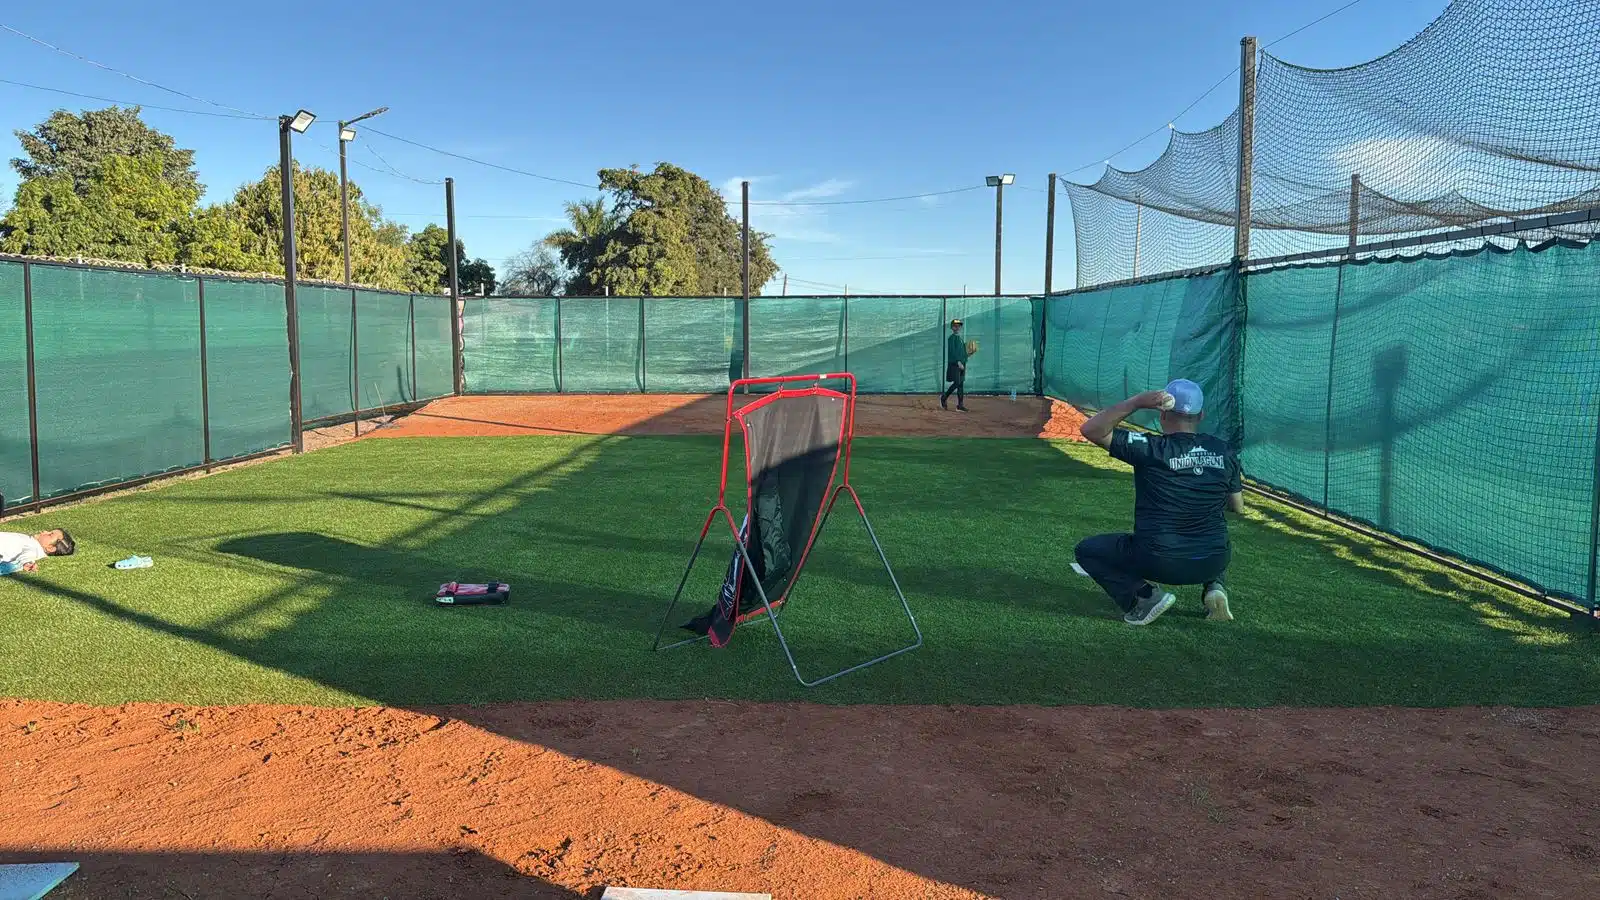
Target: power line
x: 482, y: 162
x: 192, y: 112
x: 963, y: 190
x: 391, y: 168
x: 116, y: 71
x: 1172, y: 122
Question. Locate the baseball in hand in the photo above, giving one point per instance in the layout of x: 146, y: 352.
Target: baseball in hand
x: 1167, y: 401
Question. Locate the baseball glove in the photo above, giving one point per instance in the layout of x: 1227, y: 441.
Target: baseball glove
x: 972, y: 347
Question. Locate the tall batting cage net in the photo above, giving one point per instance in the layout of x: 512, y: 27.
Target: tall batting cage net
x: 1402, y: 327
x: 1492, y: 113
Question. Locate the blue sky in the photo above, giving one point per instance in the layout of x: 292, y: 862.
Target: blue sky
x: 819, y: 101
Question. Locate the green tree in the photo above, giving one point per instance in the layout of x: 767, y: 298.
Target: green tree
x: 76, y: 144
x: 581, y: 244
x: 430, y: 264
x: 123, y: 209
x: 667, y: 232
x: 535, y: 272
x: 251, y: 231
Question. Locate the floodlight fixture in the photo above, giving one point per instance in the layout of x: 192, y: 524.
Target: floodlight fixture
x: 992, y: 181
x: 301, y: 121
x: 347, y: 134
x: 1007, y: 178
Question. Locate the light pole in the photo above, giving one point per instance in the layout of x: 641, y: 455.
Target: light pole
x: 288, y: 126
x: 346, y: 135
x: 998, y: 182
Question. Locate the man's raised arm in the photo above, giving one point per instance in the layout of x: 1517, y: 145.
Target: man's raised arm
x: 1098, y: 430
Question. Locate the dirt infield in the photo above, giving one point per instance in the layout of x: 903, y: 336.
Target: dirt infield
x: 642, y: 414
x: 805, y: 802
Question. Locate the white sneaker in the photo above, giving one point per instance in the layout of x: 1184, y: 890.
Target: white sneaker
x: 1216, y: 599
x: 1150, y: 608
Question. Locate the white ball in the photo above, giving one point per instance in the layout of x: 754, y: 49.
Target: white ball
x: 1168, y: 401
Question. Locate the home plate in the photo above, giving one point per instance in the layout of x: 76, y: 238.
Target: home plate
x: 30, y: 881
x: 655, y: 894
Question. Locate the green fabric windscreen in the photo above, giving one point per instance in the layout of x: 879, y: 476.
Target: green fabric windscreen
x: 16, y: 453
x: 434, y: 378
x: 247, y: 367
x: 117, y: 373
x: 896, y: 344
x: 796, y: 336
x: 691, y: 345
x: 325, y: 372
x: 510, y: 345
x: 1007, y: 332
x: 383, y: 349
x: 600, y: 345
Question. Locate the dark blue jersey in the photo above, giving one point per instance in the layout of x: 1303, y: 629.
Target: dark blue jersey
x: 1181, y: 486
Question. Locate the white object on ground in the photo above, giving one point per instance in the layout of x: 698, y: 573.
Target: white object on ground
x: 30, y: 881
x: 1079, y: 569
x: 621, y: 893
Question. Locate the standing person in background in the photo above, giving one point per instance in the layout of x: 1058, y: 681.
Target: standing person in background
x: 955, y: 368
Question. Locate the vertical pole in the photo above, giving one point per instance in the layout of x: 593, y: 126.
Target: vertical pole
x: 411, y: 315
x: 786, y: 284
x: 1049, y: 274
x: 344, y: 206
x: 1247, y: 146
x: 286, y: 179
x: 33, y: 388
x: 205, y: 378
x: 1138, y: 234
x: 457, y: 367
x: 744, y: 267
x: 1355, y: 212
x: 1050, y: 236
x: 559, y: 355
x: 1594, y: 523
x: 999, y: 206
x: 355, y: 363
x: 643, y: 347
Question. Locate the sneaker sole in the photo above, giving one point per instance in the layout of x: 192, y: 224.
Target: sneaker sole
x: 1163, y: 606
x: 1217, y: 607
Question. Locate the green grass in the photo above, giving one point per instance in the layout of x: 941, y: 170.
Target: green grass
x: 307, y: 581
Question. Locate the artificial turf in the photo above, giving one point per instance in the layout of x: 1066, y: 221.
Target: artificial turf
x: 307, y: 581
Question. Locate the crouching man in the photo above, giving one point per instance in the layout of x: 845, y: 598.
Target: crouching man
x: 1183, y: 481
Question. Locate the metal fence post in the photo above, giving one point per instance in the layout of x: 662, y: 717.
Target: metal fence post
x: 744, y: 278
x: 1355, y: 212
x: 411, y: 315
x: 1594, y: 522
x: 642, y: 349
x: 355, y: 363
x: 205, y: 377
x: 847, y: 334
x: 33, y: 388
x: 1247, y: 145
x: 458, y: 376
x: 559, y: 353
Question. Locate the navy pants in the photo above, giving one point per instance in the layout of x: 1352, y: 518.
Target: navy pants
x: 1120, y: 566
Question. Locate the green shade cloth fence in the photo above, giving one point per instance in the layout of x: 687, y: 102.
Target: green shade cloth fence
x: 893, y: 345
x: 118, y: 363
x: 1451, y: 399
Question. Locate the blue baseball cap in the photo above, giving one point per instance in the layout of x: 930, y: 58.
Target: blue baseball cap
x: 1187, y: 397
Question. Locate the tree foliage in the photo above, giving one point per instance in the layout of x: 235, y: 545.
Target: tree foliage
x: 430, y: 264
x: 124, y: 208
x: 666, y: 232
x: 535, y: 272
x: 77, y: 144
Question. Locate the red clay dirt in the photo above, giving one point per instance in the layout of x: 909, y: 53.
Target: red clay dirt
x: 666, y: 414
x: 806, y: 802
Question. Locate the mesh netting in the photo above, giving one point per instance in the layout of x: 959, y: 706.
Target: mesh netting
x: 1491, y: 113
x: 16, y: 467
x: 247, y: 352
x: 691, y: 345
x: 510, y: 345
x: 117, y: 370
x: 601, y: 345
